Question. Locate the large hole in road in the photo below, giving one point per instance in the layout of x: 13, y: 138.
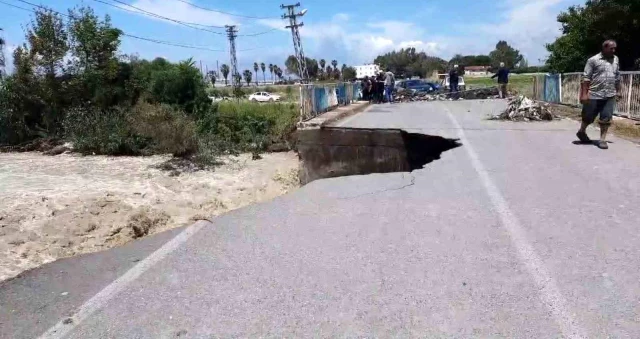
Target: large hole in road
x: 334, y: 151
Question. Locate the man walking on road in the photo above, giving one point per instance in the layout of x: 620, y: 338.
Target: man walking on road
x: 503, y: 80
x: 598, y: 91
x: 389, y: 83
x: 454, y: 78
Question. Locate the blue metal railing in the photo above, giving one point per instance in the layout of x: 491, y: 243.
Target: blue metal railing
x: 317, y: 99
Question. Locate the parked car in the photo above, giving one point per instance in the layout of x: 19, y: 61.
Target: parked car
x: 218, y: 99
x: 264, y: 97
x: 461, y: 85
x: 417, y: 85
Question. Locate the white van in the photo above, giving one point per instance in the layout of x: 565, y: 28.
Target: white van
x: 445, y: 83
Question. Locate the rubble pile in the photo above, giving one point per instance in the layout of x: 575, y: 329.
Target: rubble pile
x: 480, y: 93
x: 405, y: 95
x: 521, y: 108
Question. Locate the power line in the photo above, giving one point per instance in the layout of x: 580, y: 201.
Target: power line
x: 173, y: 43
x: 227, y: 13
x: 162, y: 42
x: 147, y: 13
x: 138, y: 11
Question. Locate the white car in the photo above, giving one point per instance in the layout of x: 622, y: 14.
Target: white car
x: 218, y: 99
x: 461, y: 85
x: 264, y: 97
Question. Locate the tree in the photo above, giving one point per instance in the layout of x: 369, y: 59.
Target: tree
x: 322, y: 64
x: 585, y: 28
x: 336, y: 73
x: 291, y: 65
x: 94, y: 45
x: 255, y: 69
x: 334, y: 63
x: 263, y: 68
x: 407, y: 63
x: 278, y: 71
x: 213, y: 75
x: 247, y: 76
x: 349, y: 73
x: 312, y: 68
x: 224, y: 69
x: 48, y: 41
x: 271, y: 68
x: 505, y: 53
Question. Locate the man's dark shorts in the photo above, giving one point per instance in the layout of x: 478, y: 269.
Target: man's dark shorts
x: 595, y: 107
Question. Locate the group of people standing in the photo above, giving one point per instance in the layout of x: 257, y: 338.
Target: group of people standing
x: 378, y: 89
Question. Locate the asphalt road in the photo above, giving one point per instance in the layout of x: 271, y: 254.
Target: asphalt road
x: 518, y: 233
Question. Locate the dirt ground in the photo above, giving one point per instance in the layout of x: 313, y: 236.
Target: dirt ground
x: 58, y: 206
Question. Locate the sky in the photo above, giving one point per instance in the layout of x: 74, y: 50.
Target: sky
x: 353, y: 32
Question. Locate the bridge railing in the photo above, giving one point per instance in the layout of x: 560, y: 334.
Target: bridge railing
x: 316, y: 99
x: 565, y: 89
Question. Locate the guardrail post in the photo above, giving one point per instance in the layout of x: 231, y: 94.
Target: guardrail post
x: 629, y: 95
x: 301, y: 103
x: 560, y: 88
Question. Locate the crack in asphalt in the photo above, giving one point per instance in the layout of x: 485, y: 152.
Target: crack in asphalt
x: 413, y: 182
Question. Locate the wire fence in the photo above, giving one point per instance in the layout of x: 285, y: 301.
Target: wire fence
x: 565, y: 89
x: 316, y: 99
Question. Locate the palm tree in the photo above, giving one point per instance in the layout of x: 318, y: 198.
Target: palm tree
x: 224, y: 69
x: 262, y: 67
x: 329, y: 70
x: 212, y: 77
x: 278, y: 72
x: 271, y: 68
x: 344, y: 66
x: 335, y: 64
x: 247, y: 76
x: 255, y: 69
x: 322, y: 64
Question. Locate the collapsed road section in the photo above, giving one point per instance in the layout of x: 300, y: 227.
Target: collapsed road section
x: 329, y: 152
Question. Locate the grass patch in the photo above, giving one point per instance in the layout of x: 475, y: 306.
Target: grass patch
x: 521, y: 84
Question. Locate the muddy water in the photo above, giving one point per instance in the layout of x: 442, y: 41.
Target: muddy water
x: 59, y: 206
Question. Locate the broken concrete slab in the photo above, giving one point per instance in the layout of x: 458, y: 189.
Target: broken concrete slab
x: 333, y: 151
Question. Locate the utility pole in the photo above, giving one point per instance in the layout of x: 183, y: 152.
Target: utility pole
x: 297, y: 42
x: 232, y: 34
x: 2, y: 58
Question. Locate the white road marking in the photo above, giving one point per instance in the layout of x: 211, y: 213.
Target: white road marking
x: 547, y: 286
x: 61, y: 329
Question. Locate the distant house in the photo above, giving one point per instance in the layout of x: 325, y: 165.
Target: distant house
x: 367, y: 70
x: 477, y: 71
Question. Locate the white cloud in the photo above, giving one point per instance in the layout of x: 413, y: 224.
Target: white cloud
x: 525, y: 24
x: 182, y: 12
x: 274, y: 23
x: 341, y: 17
x: 8, y: 56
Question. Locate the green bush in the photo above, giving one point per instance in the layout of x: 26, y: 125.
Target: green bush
x: 103, y: 131
x: 245, y: 126
x: 170, y: 130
